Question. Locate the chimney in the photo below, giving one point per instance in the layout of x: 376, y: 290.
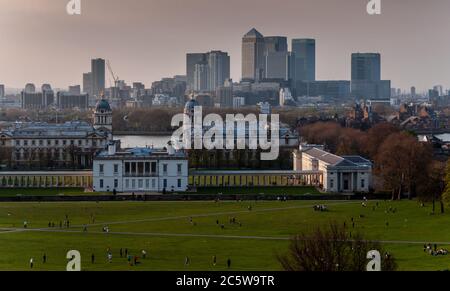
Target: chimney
x: 112, y: 149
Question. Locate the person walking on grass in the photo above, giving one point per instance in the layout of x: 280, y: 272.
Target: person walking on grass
x: 31, y: 263
x: 187, y: 261
x: 44, y: 258
x: 214, y: 261
x: 92, y: 259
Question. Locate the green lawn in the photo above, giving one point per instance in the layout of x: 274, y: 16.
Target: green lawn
x: 259, y: 190
x: 12, y: 192
x: 164, y: 230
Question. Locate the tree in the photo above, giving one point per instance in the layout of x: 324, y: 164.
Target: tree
x: 432, y: 189
x: 446, y: 194
x: 330, y: 249
x: 401, y: 161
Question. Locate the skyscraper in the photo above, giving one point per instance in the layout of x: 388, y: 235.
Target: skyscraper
x: 98, y: 77
x: 219, y: 69
x: 201, y: 77
x: 303, y: 60
x: 253, y: 56
x: 2, y: 91
x: 276, y: 58
x: 366, y: 77
x: 366, y: 67
x: 191, y: 60
x: 87, y: 83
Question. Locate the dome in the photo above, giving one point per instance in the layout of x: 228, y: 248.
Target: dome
x: 190, y: 105
x: 103, y: 105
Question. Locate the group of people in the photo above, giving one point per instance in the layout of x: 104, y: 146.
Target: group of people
x: 434, y: 251
x: 187, y: 261
x: 320, y: 208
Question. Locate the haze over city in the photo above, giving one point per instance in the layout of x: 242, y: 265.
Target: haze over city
x: 148, y: 40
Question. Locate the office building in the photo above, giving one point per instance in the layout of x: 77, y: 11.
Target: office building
x: 253, y: 56
x: 218, y: 69
x: 303, y: 60
x: 98, y: 77
x: 191, y: 60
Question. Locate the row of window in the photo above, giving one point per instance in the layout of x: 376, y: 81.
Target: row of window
x: 56, y: 142
x: 139, y: 168
x: 138, y: 184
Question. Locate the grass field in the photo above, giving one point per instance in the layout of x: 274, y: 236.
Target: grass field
x: 12, y: 192
x: 164, y: 230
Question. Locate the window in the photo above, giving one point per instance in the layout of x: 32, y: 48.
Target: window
x: 101, y: 184
x: 25, y: 143
x: 17, y: 142
x: 165, y: 168
x: 363, y: 183
x: 147, y: 184
x: 133, y: 184
x: 116, y: 169
x: 179, y: 168
x: 127, y: 168
x: 127, y: 183
x: 116, y: 183
x: 147, y: 168
x: 41, y: 142
x: 56, y: 142
x: 140, y: 184
x: 153, y: 167
x: 101, y: 168
x: 64, y: 142
x: 153, y: 183
x: 332, y: 183
x: 179, y: 183
x: 165, y: 183
x: 33, y: 142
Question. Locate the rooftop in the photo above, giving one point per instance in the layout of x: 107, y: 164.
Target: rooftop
x: 76, y: 129
x: 142, y: 153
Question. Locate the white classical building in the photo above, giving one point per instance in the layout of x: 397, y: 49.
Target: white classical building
x: 344, y: 174
x: 66, y: 145
x: 140, y: 170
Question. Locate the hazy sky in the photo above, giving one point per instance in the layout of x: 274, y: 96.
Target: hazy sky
x: 146, y: 40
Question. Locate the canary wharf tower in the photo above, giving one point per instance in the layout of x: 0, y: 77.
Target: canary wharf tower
x: 253, y: 63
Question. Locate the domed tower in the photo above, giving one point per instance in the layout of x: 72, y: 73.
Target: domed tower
x: 103, y: 117
x: 190, y: 107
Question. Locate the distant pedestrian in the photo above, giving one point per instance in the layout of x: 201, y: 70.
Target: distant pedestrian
x: 144, y: 254
x: 44, y: 259
x: 25, y: 224
x: 187, y: 261
x: 110, y: 257
x: 92, y: 259
x: 126, y: 252
x: 214, y: 261
x: 229, y: 263
x: 31, y: 263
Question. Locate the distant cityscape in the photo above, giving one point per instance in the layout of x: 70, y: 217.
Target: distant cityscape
x: 271, y: 74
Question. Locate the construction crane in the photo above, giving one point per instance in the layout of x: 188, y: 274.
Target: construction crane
x: 115, y: 78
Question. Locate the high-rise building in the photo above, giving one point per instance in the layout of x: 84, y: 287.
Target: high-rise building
x: 87, y: 83
x: 201, y: 77
x: 303, y: 60
x: 276, y: 58
x: 366, y: 77
x: 207, y: 71
x: 253, y: 56
x: 75, y: 90
x: 98, y: 77
x: 2, y: 91
x: 191, y: 60
x: 366, y: 67
x: 219, y: 69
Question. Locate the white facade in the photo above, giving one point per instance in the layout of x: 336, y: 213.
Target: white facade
x: 141, y: 170
x: 340, y: 174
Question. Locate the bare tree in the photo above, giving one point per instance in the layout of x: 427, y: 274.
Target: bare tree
x: 332, y: 248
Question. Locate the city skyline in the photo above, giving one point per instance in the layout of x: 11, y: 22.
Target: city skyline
x: 52, y: 47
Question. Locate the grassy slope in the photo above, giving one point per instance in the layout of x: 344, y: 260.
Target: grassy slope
x: 411, y: 222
